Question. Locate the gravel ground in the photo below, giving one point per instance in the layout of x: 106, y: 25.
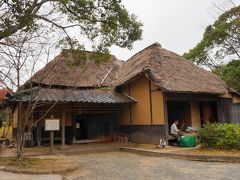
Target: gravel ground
x: 124, y: 166
x: 13, y: 176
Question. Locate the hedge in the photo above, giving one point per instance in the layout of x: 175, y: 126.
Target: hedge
x: 220, y: 136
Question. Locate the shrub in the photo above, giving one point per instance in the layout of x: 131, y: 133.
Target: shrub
x: 221, y: 136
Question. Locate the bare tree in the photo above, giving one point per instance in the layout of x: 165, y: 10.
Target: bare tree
x: 20, y: 61
x: 20, y: 57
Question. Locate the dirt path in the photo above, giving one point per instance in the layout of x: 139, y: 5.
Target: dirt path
x: 124, y: 166
x: 13, y: 176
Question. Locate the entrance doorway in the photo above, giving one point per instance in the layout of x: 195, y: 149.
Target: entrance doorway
x: 179, y: 110
x: 91, y: 127
x: 81, y: 129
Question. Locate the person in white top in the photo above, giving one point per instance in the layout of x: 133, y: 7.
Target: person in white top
x: 174, y: 131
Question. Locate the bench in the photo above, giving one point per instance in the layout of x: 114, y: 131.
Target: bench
x: 170, y: 137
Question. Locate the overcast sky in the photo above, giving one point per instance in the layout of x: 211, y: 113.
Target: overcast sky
x: 177, y: 25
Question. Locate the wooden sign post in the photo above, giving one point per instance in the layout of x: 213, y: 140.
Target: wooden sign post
x: 52, y: 125
x: 51, y: 141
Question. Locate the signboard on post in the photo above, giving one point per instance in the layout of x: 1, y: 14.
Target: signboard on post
x: 52, y: 125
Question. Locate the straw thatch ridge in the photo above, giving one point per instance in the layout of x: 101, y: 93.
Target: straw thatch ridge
x: 169, y: 71
x: 59, y: 72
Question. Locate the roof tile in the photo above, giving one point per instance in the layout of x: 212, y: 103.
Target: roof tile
x: 76, y: 95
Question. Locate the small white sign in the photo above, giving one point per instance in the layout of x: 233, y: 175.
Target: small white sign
x: 52, y: 125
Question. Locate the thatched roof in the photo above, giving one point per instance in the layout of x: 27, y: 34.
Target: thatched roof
x: 60, y: 72
x: 169, y: 71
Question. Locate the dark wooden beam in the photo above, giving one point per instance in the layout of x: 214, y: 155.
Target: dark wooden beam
x: 129, y: 92
x: 63, y: 127
x: 190, y: 97
x: 150, y: 97
x: 165, y: 108
x: 39, y: 130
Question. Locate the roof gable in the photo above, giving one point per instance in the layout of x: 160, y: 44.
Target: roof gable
x: 59, y: 72
x: 171, y: 72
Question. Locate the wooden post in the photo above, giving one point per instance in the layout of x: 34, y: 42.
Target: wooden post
x: 165, y: 117
x: 39, y: 130
x: 63, y: 128
x: 51, y: 140
x: 52, y: 125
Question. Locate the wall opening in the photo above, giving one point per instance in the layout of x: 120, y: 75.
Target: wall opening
x: 179, y: 110
x: 208, y: 112
x: 88, y: 127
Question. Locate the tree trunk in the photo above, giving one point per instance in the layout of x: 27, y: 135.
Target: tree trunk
x: 20, y: 132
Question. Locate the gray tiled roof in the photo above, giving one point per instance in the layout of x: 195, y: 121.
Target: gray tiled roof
x: 76, y: 95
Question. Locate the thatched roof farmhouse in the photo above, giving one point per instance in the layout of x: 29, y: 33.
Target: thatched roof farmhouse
x: 138, y: 98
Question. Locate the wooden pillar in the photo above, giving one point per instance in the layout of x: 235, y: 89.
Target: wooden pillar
x: 51, y: 141
x: 39, y: 132
x: 165, y: 107
x: 150, y: 98
x: 63, y: 127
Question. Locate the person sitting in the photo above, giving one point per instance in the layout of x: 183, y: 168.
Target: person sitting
x: 174, y: 131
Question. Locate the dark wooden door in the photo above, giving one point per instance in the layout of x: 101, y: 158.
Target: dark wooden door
x: 78, y: 129
x: 81, y: 129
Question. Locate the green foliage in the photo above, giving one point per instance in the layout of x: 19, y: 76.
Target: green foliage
x: 230, y: 73
x: 106, y: 88
x: 103, y: 22
x: 220, y: 40
x: 79, y: 57
x: 220, y: 136
x: 106, y: 19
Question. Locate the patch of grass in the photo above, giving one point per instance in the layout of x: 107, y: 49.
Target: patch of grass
x: 24, y: 163
x: 36, y: 163
x: 205, y: 151
x: 217, y: 151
